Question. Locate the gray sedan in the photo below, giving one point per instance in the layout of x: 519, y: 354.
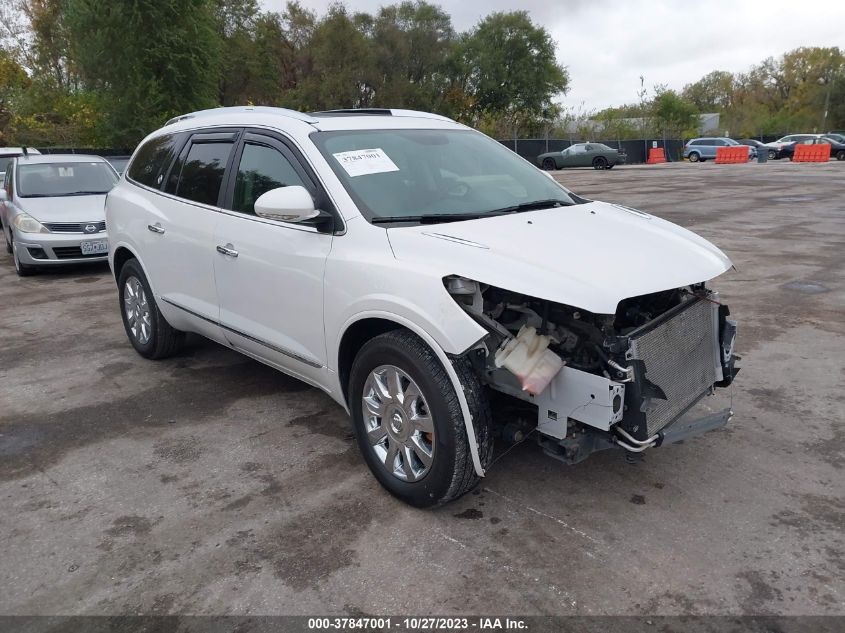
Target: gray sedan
x: 51, y: 210
x: 595, y: 155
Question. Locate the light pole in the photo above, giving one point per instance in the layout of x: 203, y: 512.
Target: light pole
x: 830, y: 83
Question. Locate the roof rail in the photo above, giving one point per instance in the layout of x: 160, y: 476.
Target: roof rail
x: 293, y: 114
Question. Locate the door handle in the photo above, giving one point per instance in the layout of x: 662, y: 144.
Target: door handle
x: 156, y: 228
x: 227, y: 250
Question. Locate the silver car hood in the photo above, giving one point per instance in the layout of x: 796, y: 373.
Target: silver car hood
x: 65, y: 208
x: 589, y: 256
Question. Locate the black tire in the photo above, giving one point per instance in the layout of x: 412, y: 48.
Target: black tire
x: 451, y: 473
x: 840, y: 155
x: 599, y: 162
x: 164, y: 339
x: 773, y: 154
x: 23, y: 270
x: 549, y: 164
x: 694, y: 157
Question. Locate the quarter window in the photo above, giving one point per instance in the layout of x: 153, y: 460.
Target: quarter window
x: 152, y: 160
x: 201, y: 174
x: 261, y: 169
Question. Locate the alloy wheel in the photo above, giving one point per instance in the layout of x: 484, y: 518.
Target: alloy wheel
x: 398, y: 423
x: 137, y: 310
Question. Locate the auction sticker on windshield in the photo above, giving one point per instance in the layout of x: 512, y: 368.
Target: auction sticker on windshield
x: 362, y: 162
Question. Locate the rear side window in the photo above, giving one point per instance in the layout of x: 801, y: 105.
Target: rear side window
x: 200, y: 175
x: 152, y: 160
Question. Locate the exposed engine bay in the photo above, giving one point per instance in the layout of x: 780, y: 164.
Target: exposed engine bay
x: 604, y: 380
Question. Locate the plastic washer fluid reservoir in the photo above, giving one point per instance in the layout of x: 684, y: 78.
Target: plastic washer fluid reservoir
x: 528, y: 357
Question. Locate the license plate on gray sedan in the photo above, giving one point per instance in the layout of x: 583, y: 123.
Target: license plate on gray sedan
x: 94, y: 247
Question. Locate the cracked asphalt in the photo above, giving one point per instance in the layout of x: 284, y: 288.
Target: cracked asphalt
x: 210, y: 484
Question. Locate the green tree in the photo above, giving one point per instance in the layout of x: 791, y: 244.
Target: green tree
x: 411, y: 41
x: 674, y: 116
x: 13, y: 83
x: 508, y: 67
x: 712, y: 93
x: 147, y: 60
x: 341, y: 63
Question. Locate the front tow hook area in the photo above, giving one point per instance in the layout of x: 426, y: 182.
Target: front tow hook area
x: 685, y: 429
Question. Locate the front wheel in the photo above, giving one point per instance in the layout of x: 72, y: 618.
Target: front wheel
x: 408, y: 420
x: 840, y: 155
x: 549, y: 164
x: 148, y: 331
x: 599, y: 162
x: 772, y: 154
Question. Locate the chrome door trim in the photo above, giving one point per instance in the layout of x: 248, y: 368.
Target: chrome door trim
x: 263, y: 343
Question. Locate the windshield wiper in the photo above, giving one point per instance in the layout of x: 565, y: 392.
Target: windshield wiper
x: 533, y: 206
x: 85, y: 193
x: 432, y: 218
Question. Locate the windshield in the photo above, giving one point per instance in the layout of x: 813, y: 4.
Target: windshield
x: 437, y: 173
x: 42, y: 180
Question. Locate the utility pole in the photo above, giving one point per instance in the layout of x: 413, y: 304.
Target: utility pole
x: 827, y: 103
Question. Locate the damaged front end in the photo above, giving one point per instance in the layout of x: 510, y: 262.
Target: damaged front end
x: 622, y: 380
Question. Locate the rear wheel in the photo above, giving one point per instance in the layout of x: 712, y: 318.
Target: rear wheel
x: 549, y: 164
x: 694, y: 157
x: 599, y: 162
x: 840, y: 155
x: 408, y: 421
x: 148, y: 331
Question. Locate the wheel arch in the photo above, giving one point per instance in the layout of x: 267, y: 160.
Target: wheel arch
x: 122, y: 254
x: 366, y: 326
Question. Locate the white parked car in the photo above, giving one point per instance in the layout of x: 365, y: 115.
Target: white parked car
x: 409, y: 267
x: 51, y: 210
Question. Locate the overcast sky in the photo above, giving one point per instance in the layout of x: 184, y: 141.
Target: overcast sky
x: 608, y: 44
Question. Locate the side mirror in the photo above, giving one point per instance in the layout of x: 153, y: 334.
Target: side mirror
x: 286, y: 204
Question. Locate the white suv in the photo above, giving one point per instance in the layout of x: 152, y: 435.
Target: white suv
x: 413, y: 268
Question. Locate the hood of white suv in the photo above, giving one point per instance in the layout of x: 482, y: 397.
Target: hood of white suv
x: 65, y: 208
x: 589, y: 256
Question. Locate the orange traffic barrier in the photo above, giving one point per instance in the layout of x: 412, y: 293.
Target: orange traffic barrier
x: 656, y: 155
x: 812, y: 153
x: 732, y: 154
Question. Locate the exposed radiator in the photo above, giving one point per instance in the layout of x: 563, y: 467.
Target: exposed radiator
x: 681, y: 356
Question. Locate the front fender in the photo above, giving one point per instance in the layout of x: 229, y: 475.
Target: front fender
x: 445, y: 361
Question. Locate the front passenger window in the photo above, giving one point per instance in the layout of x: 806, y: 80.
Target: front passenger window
x: 261, y: 169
